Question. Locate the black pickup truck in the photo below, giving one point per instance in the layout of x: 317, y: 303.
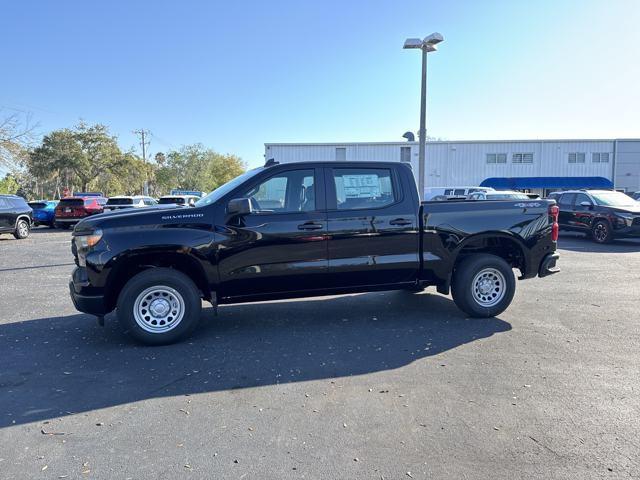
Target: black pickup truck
x: 305, y: 229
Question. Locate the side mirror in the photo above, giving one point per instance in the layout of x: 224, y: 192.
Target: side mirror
x: 239, y: 206
x: 585, y: 204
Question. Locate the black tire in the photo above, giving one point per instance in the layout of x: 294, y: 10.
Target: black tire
x: 171, y: 282
x: 22, y: 229
x: 497, y: 277
x: 602, y: 232
x: 52, y: 225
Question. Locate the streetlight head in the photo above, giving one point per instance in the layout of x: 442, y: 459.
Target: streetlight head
x: 412, y: 43
x: 433, y: 39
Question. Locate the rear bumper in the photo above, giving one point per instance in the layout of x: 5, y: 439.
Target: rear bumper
x: 548, y: 265
x: 86, y: 303
x: 69, y: 220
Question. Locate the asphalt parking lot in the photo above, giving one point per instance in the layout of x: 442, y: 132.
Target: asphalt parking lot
x: 383, y: 385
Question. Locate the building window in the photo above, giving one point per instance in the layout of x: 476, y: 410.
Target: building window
x: 576, y: 157
x: 522, y: 158
x: 405, y: 154
x: 496, y: 158
x: 600, y: 157
x: 341, y: 154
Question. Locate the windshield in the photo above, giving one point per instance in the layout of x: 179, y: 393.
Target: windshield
x: 222, y: 190
x: 120, y: 201
x: 171, y: 201
x: 507, y: 196
x: 614, y: 199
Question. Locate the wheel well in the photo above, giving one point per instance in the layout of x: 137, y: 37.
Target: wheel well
x: 134, y: 264
x: 502, y: 247
x: 25, y: 217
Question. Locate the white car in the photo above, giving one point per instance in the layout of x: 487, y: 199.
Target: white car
x: 499, y: 195
x: 184, y: 200
x: 124, y: 201
x: 452, y: 192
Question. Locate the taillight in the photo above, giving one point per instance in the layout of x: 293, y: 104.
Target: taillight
x: 554, y: 211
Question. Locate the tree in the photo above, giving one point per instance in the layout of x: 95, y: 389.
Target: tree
x: 195, y: 167
x: 9, y: 185
x: 16, y: 132
x: 83, y: 157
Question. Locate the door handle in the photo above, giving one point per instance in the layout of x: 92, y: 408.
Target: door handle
x: 310, y: 226
x: 400, y: 221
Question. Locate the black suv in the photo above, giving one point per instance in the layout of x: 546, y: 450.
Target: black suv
x: 15, y: 216
x: 603, y: 214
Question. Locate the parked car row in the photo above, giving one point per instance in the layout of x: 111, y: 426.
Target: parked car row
x: 18, y: 217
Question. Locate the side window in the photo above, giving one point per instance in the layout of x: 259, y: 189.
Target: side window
x: 459, y: 192
x: 358, y: 188
x: 288, y: 192
x: 448, y: 191
x: 581, y: 197
x: 566, y: 200
x: 3, y: 203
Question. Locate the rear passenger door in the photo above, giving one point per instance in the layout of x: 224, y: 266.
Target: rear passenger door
x: 582, y: 214
x: 7, y: 217
x: 565, y: 203
x: 372, y: 227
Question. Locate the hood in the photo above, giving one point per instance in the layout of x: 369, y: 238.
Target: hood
x: 131, y: 217
x: 631, y: 209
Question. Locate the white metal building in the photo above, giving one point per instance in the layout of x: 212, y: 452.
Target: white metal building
x: 538, y: 166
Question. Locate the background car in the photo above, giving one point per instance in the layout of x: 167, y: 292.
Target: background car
x: 451, y: 192
x: 123, y: 201
x: 15, y: 216
x: 636, y: 196
x: 71, y: 210
x: 602, y: 214
x: 44, y: 212
x: 498, y: 195
x: 187, y: 200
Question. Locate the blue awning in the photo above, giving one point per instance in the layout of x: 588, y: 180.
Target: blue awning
x: 521, y: 183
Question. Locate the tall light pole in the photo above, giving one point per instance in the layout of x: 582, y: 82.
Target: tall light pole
x: 428, y: 44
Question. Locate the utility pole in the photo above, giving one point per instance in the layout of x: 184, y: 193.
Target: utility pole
x: 142, y: 132
x: 143, y: 143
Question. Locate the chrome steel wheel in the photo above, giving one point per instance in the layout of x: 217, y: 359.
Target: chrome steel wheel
x: 158, y: 309
x: 488, y: 287
x: 23, y: 228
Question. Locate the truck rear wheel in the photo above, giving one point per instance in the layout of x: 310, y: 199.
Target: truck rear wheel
x: 159, y: 306
x: 483, y: 285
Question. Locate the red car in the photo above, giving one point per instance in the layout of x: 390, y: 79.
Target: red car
x: 71, y: 210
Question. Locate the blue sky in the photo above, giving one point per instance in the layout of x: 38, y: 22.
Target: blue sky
x: 234, y: 75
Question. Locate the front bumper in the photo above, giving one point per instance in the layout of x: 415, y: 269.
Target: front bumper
x: 548, y: 265
x: 84, y: 302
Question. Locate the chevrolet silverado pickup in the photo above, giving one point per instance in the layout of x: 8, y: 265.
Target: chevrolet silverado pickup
x: 305, y: 229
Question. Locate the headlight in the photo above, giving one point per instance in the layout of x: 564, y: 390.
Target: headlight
x: 625, y: 218
x: 85, y: 242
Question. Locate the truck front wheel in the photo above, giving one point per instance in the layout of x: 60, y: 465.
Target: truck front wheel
x: 159, y: 306
x: 483, y: 285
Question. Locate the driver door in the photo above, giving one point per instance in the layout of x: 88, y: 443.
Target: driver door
x: 282, y: 245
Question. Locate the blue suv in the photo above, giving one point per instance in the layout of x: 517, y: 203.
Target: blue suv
x: 44, y: 212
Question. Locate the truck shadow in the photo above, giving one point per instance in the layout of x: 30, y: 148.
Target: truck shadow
x: 53, y: 367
